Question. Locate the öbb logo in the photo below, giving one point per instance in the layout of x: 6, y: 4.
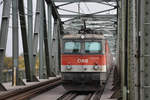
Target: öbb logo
x: 82, y: 60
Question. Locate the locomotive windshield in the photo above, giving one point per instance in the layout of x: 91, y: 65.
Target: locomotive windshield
x: 72, y: 47
x: 93, y: 47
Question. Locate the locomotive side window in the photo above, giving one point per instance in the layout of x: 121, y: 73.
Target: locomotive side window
x: 72, y: 47
x: 93, y: 47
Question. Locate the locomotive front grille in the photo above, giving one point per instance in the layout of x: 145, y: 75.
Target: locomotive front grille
x: 79, y: 77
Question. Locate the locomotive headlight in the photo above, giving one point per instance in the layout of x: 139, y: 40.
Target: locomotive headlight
x: 95, y: 67
x: 82, y: 36
x: 68, y: 67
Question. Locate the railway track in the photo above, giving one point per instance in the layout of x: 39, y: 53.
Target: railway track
x: 98, y: 94
x: 31, y: 91
x: 69, y: 95
x: 72, y: 95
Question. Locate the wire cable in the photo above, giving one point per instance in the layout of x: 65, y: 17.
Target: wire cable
x: 87, y: 7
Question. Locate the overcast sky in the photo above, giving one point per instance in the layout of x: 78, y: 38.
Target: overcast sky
x: 85, y: 8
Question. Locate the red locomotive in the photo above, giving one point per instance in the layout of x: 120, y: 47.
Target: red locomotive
x: 85, y: 61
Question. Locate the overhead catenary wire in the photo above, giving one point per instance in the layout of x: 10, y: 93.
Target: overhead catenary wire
x: 25, y: 14
x: 87, y: 7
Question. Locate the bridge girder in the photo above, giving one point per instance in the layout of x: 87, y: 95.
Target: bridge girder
x: 103, y: 16
x: 84, y: 0
x: 54, y: 9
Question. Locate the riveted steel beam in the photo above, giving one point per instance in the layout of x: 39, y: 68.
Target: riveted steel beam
x: 55, y: 46
x: 84, y: 0
x: 29, y: 74
x: 42, y: 70
x: 15, y: 37
x: 25, y: 44
x: 119, y: 50
x: 30, y: 33
x: 132, y: 51
x: 100, y: 17
x: 54, y: 10
x: 36, y: 30
x: 69, y: 11
x: 141, y: 49
x: 15, y: 41
x: 124, y: 48
x: 64, y: 4
x: 55, y: 13
x: 49, y: 36
x: 107, y: 4
x: 3, y: 36
x: 145, y: 49
x: 92, y: 14
x: 46, y: 44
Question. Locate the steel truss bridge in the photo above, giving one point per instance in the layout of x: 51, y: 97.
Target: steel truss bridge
x: 126, y: 24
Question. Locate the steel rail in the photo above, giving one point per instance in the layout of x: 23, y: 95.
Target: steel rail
x: 30, y: 91
x: 70, y: 95
x: 73, y: 96
x: 100, y: 91
x: 63, y: 96
x: 89, y: 96
x: 34, y: 92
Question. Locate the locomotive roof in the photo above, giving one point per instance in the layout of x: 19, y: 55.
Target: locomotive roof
x: 86, y: 36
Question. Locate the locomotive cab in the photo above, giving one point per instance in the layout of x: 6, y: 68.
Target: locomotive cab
x: 83, y: 61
